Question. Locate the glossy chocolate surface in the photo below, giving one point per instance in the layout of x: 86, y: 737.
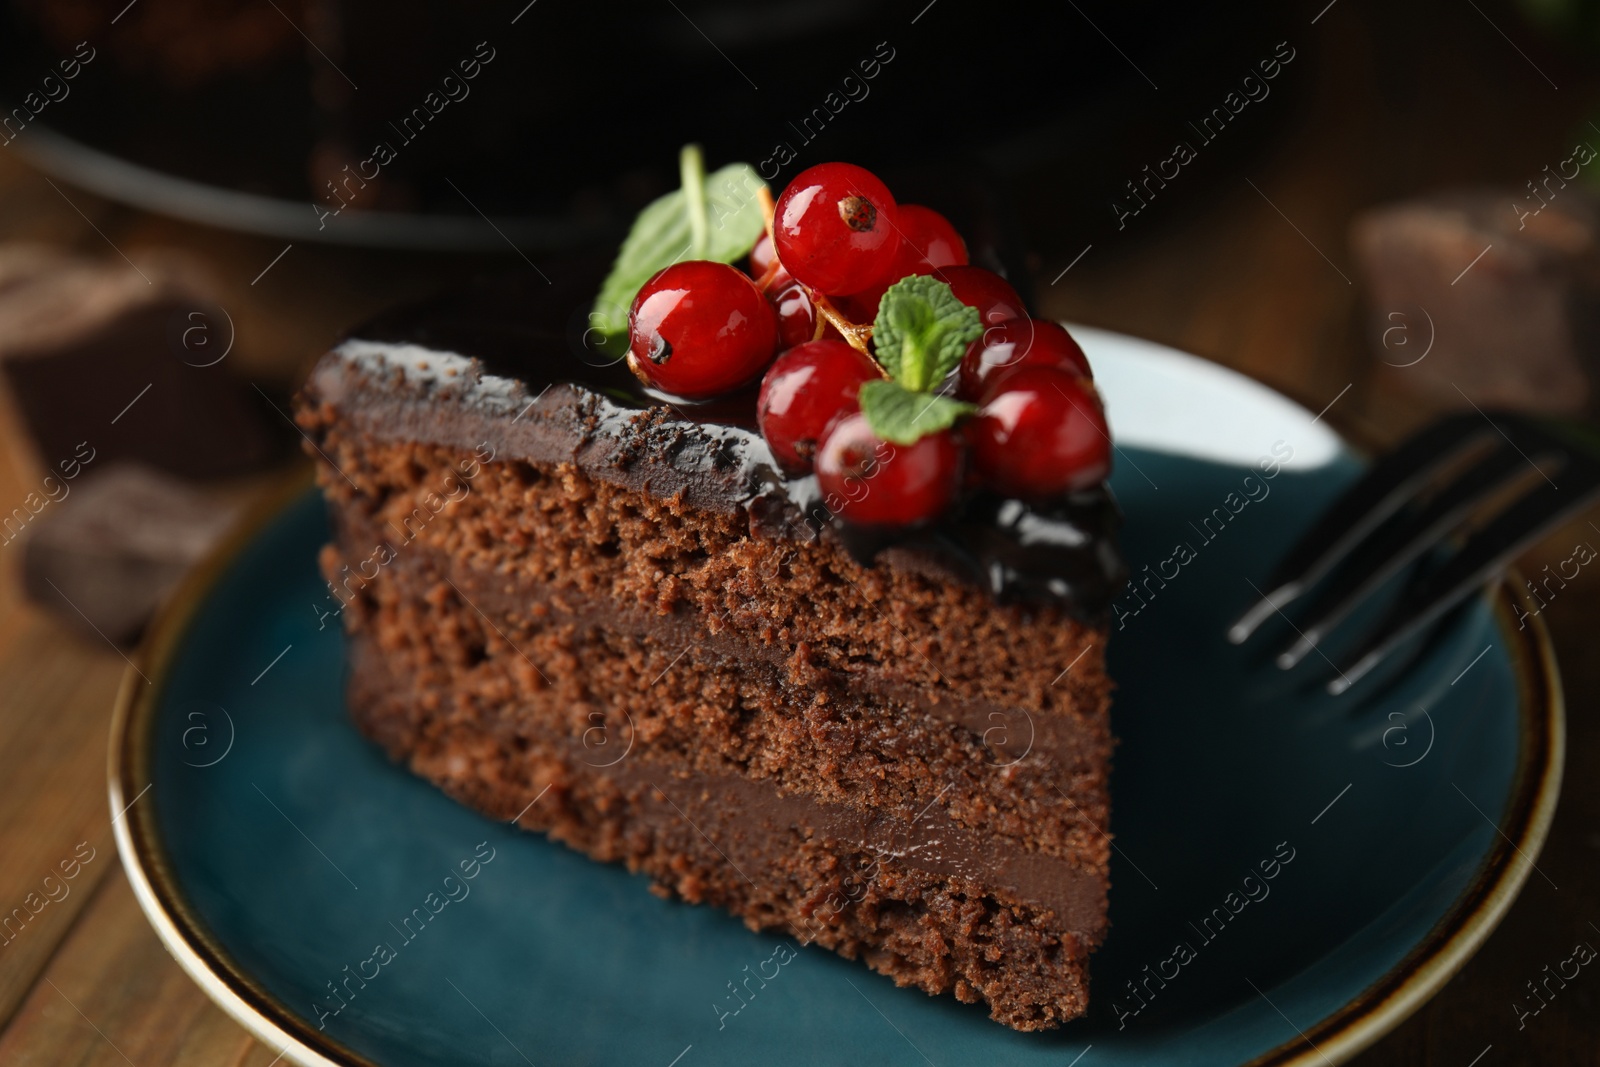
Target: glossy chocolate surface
x: 538, y: 383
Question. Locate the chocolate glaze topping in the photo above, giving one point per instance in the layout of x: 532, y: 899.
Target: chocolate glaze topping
x: 513, y: 362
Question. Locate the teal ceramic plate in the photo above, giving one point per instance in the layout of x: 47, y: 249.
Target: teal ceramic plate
x: 274, y: 850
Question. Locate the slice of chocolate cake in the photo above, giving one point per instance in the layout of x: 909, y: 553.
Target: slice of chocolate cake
x: 614, y: 620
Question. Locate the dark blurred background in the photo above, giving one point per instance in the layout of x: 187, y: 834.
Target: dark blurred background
x: 206, y: 194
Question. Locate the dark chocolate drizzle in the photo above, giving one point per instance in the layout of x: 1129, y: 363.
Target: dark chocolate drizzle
x: 537, y: 333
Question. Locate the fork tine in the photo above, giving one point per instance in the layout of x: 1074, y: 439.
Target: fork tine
x: 1383, y: 490
x: 1381, y: 558
x: 1485, y: 553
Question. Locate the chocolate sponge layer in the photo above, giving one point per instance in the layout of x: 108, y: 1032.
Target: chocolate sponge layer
x: 867, y: 757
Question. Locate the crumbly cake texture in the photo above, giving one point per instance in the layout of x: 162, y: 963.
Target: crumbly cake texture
x: 871, y: 758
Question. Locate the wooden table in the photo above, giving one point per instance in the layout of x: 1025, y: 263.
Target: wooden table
x: 1225, y: 273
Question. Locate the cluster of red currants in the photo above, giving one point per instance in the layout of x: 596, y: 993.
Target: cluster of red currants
x: 837, y: 242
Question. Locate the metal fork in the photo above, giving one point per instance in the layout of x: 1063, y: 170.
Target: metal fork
x: 1399, y: 511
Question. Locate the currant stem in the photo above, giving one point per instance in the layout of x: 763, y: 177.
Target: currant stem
x: 765, y: 281
x: 856, y: 336
x: 768, y: 209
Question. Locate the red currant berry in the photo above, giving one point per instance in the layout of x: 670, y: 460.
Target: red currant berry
x: 762, y: 255
x: 985, y: 290
x: 1015, y: 343
x: 835, y: 228
x: 1041, y: 431
x: 797, y: 318
x: 804, y: 392
x: 761, y: 259
x: 927, y: 242
x: 698, y: 329
x: 874, y: 483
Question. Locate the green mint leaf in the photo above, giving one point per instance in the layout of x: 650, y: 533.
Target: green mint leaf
x: 922, y: 331
x: 900, y: 416
x: 714, y: 216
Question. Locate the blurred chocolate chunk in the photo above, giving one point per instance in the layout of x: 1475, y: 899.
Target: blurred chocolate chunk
x: 130, y: 360
x: 106, y: 550
x: 1488, y: 293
